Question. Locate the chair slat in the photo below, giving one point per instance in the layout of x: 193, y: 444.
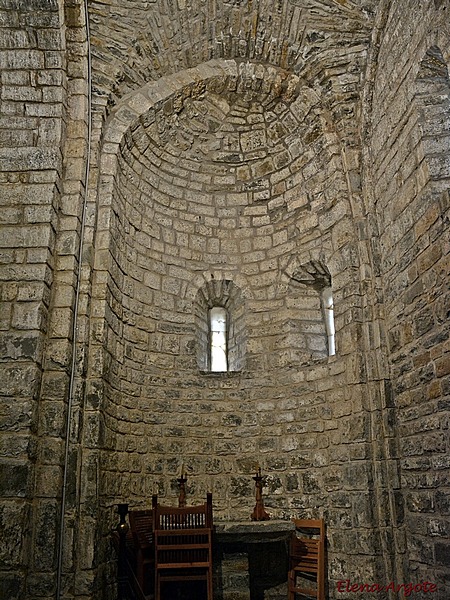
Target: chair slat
x: 307, y: 559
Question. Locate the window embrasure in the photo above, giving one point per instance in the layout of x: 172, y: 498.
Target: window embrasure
x: 310, y: 301
x: 328, y: 310
x: 220, y: 327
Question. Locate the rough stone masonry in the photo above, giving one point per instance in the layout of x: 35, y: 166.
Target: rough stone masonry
x: 162, y: 157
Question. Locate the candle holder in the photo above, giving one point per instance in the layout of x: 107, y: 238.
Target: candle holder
x: 122, y: 529
x: 259, y: 513
x: 182, y: 490
x: 122, y: 509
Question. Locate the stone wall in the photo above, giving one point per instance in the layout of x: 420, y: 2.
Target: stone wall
x: 199, y: 196
x: 247, y: 154
x: 32, y: 91
x: 42, y: 158
x: 409, y: 151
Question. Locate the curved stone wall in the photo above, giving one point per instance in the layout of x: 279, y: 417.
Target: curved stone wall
x: 411, y: 171
x: 234, y: 178
x: 210, y: 153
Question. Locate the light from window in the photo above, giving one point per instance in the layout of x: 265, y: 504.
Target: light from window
x: 328, y: 309
x: 218, y: 337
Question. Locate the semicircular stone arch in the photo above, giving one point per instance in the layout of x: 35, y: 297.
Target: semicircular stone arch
x: 160, y: 38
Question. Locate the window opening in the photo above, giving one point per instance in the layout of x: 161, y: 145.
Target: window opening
x: 328, y: 309
x: 220, y: 328
x: 312, y: 313
x: 218, y: 339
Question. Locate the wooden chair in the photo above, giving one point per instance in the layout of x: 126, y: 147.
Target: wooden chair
x: 130, y: 564
x: 141, y: 525
x: 306, y: 577
x: 183, y: 540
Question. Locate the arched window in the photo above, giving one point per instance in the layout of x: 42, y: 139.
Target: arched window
x: 311, y: 330
x: 328, y: 311
x: 218, y: 346
x: 219, y: 314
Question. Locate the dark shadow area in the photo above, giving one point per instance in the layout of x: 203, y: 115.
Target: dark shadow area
x: 257, y: 569
x: 268, y: 567
x: 183, y: 590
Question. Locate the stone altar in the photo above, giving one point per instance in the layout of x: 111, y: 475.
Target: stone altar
x: 251, y: 559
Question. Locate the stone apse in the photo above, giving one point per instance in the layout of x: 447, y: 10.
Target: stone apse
x: 170, y: 157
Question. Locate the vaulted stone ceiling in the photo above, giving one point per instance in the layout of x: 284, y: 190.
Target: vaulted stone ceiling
x: 137, y: 41
x: 228, y: 105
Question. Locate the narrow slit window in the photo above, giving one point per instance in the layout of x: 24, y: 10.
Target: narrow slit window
x: 218, y: 339
x: 328, y: 309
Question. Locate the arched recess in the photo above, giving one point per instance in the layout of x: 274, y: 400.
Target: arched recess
x: 242, y: 207
x: 304, y: 209
x: 220, y: 293
x: 169, y: 95
x: 275, y: 191
x: 310, y: 302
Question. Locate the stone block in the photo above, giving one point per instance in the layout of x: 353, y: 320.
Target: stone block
x: 14, y: 446
x: 46, y: 519
x: 48, y: 480
x: 85, y: 582
x: 14, y: 524
x: 442, y: 554
x: 27, y: 346
x: 61, y: 323
x: 58, y: 353
x: 13, y: 585
x: 25, y: 237
x: 52, y: 413
x: 51, y: 451
x: 28, y: 315
x: 442, y: 498
x: 19, y: 379
x: 16, y: 479
x: 41, y: 584
x: 23, y: 159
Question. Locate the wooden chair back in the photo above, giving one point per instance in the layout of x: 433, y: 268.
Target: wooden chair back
x: 183, y: 544
x: 141, y: 526
x: 306, y: 576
